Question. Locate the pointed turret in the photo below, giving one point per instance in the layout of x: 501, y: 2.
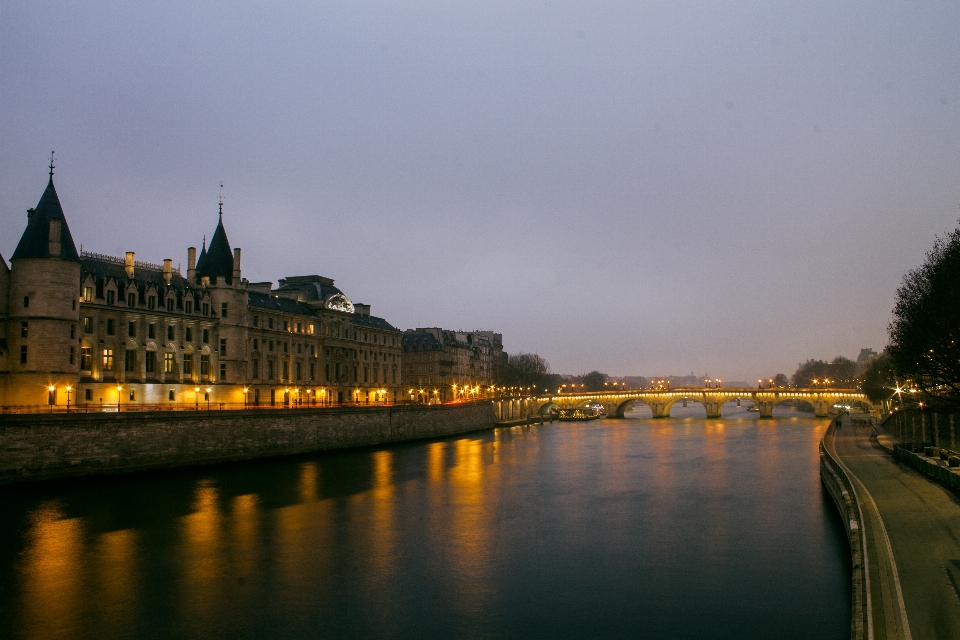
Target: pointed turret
x: 47, y: 234
x: 217, y: 262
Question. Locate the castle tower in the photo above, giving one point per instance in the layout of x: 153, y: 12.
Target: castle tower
x: 218, y: 269
x: 42, y: 309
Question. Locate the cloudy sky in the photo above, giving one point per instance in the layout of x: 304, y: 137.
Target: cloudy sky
x: 638, y: 187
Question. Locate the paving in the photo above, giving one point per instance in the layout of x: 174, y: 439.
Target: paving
x: 913, y: 540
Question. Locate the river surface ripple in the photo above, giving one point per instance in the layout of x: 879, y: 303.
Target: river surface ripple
x: 679, y: 528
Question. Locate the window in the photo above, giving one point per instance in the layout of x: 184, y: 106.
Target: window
x: 73, y: 305
x: 151, y: 302
x: 256, y: 344
x: 206, y: 309
x: 206, y: 336
x: 256, y: 321
x: 151, y: 361
x: 256, y: 368
x: 170, y: 332
x: 299, y: 348
x: 168, y: 363
x: 188, y: 334
x: 312, y: 370
x: 88, y: 294
x: 299, y: 372
x: 285, y: 371
x: 204, y: 364
x: 170, y: 305
x: 73, y: 331
x: 107, y: 360
x: 284, y: 325
x: 23, y: 354
x: 110, y: 329
x: 326, y: 372
x: 187, y: 364
x: 86, y: 358
x: 310, y: 328
x: 73, y: 354
x: 129, y: 360
x: 223, y: 346
x: 88, y: 394
x: 151, y: 331
x: 170, y: 395
x: 188, y: 306
x: 223, y: 309
x: 299, y: 330
x: 131, y: 299
x: 269, y: 369
x: 285, y: 346
x: 270, y: 323
x: 133, y: 395
x: 111, y: 296
x: 270, y: 346
x: 26, y: 301
x: 132, y: 329
x: 23, y: 329
x: 223, y: 372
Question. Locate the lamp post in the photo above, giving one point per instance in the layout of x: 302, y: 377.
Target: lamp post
x: 208, y: 398
x: 51, y: 398
x: 245, y: 391
x: 196, y: 398
x: 69, y: 389
x: 119, y: 389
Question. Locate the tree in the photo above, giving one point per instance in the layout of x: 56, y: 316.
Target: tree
x: 780, y: 380
x: 523, y: 370
x: 594, y: 380
x: 925, y: 329
x: 879, y: 379
x: 841, y: 372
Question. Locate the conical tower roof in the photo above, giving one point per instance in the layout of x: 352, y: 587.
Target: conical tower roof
x: 35, y: 241
x: 218, y: 260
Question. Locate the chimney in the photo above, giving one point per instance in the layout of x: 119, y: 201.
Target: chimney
x: 236, y: 266
x: 128, y: 264
x: 167, y: 270
x: 30, y: 213
x: 54, y: 239
x: 191, y: 263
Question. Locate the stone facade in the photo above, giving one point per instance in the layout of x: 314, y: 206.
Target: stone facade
x: 441, y: 365
x: 89, y: 329
x: 38, y: 447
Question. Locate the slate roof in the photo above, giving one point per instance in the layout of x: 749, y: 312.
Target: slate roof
x: 101, y: 270
x: 373, y: 322
x: 315, y: 290
x: 284, y: 305
x: 217, y: 262
x: 35, y: 241
x: 420, y: 341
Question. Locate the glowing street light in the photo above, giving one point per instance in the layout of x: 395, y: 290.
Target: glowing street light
x: 119, y: 389
x: 196, y: 398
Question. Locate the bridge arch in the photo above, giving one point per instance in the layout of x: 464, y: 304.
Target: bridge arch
x: 629, y: 404
x: 548, y: 407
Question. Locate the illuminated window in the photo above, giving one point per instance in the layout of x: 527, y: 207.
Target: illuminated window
x: 86, y: 358
x: 108, y: 360
x: 87, y: 294
x: 168, y: 364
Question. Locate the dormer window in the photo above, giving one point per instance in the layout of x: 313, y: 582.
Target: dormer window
x: 111, y: 296
x: 131, y: 299
x: 88, y: 294
x: 188, y: 306
x: 170, y: 305
x: 151, y: 302
x: 206, y: 309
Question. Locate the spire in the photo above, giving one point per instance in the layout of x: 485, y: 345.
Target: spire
x: 36, y: 240
x: 221, y: 201
x: 218, y: 261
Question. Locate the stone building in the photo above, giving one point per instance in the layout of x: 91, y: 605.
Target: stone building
x: 84, y: 328
x: 442, y: 365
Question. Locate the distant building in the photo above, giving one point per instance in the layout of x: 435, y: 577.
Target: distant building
x: 90, y: 329
x: 866, y: 354
x: 441, y: 365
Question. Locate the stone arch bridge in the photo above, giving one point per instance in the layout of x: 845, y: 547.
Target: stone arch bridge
x: 616, y: 403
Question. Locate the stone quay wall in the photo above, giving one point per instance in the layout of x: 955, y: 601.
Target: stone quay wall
x: 41, y: 447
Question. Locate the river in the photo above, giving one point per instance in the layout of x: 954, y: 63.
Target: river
x: 681, y: 528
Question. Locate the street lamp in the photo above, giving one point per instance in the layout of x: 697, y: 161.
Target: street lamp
x: 119, y: 389
x: 245, y: 390
x: 196, y: 398
x: 51, y: 399
x: 208, y: 398
x: 69, y: 389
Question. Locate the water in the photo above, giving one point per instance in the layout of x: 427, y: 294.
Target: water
x: 681, y: 528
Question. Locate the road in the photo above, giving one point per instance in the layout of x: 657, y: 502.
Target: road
x: 919, y: 521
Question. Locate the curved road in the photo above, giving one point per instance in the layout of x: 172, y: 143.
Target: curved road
x: 919, y: 522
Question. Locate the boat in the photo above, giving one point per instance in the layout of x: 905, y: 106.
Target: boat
x: 581, y: 414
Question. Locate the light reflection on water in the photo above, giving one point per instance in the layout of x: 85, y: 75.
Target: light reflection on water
x: 633, y: 527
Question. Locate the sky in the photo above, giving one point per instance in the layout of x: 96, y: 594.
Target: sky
x: 642, y: 188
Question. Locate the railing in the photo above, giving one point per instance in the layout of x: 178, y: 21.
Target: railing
x: 136, y: 263
x: 838, y: 483
x: 184, y: 406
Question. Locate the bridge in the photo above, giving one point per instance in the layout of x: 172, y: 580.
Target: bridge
x: 617, y: 403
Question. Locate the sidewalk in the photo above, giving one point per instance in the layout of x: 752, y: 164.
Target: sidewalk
x: 919, y: 521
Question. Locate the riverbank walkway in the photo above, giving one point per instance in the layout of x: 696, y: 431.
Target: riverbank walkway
x: 912, y: 526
